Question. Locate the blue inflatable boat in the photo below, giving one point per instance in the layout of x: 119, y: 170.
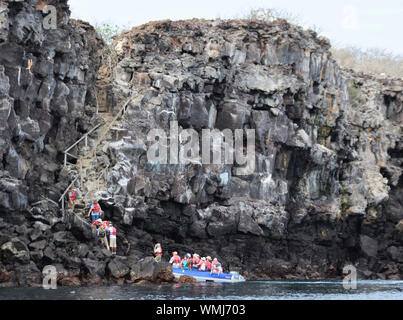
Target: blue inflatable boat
x: 206, y: 276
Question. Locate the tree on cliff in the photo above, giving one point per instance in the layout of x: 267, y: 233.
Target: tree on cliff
x: 109, y: 32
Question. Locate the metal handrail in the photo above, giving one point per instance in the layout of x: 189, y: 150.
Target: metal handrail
x: 120, y: 113
x: 84, y: 137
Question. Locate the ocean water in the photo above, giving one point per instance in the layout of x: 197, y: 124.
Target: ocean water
x: 251, y: 290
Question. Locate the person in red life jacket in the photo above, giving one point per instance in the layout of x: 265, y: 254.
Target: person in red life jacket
x: 215, y: 261
x: 175, y: 260
x: 158, y: 252
x: 95, y: 211
x: 195, y: 261
x: 202, y: 264
x: 208, y: 263
x: 216, y: 268
x: 112, y: 238
x: 97, y: 223
x: 72, y: 197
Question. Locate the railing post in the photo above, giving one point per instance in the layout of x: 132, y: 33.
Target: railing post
x: 86, y: 140
x: 81, y: 174
x: 65, y: 159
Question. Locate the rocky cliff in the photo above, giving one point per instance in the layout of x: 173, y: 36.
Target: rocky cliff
x: 326, y: 190
x: 47, y: 99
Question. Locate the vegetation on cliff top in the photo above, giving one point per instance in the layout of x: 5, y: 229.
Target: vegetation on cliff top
x: 374, y: 60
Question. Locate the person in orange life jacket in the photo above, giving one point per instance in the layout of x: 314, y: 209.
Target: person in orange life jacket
x: 175, y: 260
x: 216, y: 267
x: 158, y: 252
x: 195, y: 261
x: 97, y: 223
x: 208, y: 263
x: 202, y: 264
x: 102, y: 231
x: 72, y: 197
x: 112, y: 238
x: 95, y: 211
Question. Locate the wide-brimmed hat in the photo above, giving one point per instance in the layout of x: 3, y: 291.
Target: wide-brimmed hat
x: 208, y: 258
x: 204, y: 259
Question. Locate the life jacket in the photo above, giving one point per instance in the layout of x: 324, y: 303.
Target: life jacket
x: 177, y: 259
x: 105, y: 224
x: 185, y: 264
x: 196, y: 261
x: 97, y: 224
x: 112, y: 231
x: 97, y: 209
x: 158, y: 251
x: 208, y: 265
x: 72, y: 195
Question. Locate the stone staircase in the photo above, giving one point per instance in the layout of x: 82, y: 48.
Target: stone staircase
x: 90, y: 170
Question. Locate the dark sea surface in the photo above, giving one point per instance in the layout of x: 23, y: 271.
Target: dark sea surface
x: 251, y: 290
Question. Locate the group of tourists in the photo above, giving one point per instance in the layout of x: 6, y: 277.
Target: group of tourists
x: 190, y: 262
x: 194, y: 262
x: 104, y: 228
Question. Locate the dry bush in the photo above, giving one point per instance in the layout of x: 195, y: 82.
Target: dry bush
x: 271, y: 14
x: 369, y: 61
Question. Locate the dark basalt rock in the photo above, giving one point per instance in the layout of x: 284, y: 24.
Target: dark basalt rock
x: 186, y: 280
x: 326, y: 184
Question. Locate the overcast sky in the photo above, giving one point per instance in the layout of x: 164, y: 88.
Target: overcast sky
x: 361, y: 23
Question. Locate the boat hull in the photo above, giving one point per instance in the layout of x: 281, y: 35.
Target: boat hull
x: 206, y: 276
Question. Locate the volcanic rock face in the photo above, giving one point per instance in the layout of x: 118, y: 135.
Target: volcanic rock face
x: 325, y: 190
x: 47, y: 77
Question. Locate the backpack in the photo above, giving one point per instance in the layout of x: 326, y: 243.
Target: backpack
x: 102, y: 232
